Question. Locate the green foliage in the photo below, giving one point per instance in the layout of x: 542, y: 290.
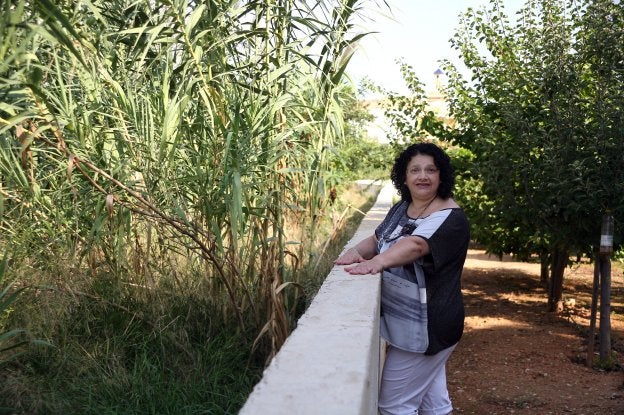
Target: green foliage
x: 9, y: 339
x: 545, y: 166
x: 101, y: 378
x: 13, y: 342
x: 205, y: 129
x: 356, y: 155
x: 410, y: 118
x: 608, y: 364
x: 539, y: 124
x: 364, y: 158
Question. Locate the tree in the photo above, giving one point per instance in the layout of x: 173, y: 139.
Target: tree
x: 526, y: 116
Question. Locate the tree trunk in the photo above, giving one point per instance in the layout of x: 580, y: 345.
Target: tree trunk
x: 544, y: 267
x: 555, y: 292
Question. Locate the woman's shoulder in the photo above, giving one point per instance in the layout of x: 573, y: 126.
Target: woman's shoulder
x: 444, y: 207
x: 449, y: 204
x: 449, y: 213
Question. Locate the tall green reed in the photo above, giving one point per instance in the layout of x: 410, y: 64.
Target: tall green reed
x: 163, y: 141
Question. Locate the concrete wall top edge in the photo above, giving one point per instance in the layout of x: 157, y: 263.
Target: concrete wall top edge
x: 329, y: 364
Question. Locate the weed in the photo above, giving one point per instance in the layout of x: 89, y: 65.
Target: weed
x: 609, y: 364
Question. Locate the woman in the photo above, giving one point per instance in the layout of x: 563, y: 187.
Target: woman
x: 421, y: 247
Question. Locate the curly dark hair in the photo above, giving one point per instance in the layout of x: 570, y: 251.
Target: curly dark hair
x: 442, y: 162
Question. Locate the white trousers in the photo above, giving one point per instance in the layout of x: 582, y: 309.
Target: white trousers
x: 413, y: 383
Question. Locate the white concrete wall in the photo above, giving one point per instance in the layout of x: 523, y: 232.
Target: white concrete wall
x: 329, y: 365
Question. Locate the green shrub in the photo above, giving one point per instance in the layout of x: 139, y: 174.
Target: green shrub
x: 364, y: 158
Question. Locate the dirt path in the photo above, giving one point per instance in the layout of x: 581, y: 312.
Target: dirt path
x: 516, y: 358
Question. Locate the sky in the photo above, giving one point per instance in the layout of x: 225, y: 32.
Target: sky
x: 418, y: 31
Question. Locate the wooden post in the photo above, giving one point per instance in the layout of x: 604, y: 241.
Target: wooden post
x: 605, y: 309
x: 606, y: 248
x: 591, y: 338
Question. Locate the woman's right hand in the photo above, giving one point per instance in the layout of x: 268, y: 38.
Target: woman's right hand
x: 351, y: 256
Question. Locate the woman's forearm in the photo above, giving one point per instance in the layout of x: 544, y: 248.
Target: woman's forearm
x: 403, y: 252
x: 362, y: 251
x: 367, y: 248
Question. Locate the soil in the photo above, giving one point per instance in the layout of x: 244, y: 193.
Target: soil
x: 517, y: 358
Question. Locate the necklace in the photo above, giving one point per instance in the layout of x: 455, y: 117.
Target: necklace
x: 425, y: 208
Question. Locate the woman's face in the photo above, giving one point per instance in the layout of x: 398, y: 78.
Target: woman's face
x: 422, y: 177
